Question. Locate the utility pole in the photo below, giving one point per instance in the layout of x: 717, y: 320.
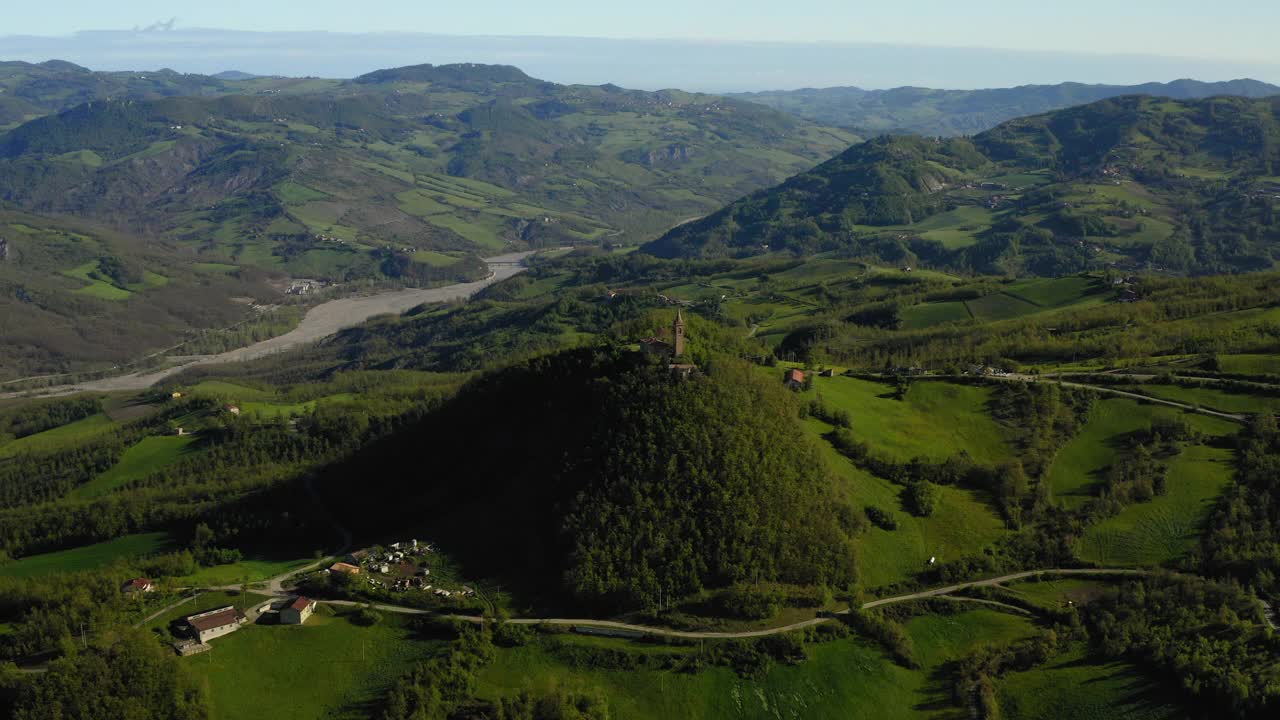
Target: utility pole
x: 84, y: 640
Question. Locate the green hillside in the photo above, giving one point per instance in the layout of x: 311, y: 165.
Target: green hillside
x: 453, y: 157
x: 1130, y: 183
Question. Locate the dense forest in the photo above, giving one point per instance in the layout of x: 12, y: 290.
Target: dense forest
x: 606, y: 482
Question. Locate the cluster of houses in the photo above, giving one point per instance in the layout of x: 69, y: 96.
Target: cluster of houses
x: 988, y: 371
x: 400, y: 567
x: 305, y: 287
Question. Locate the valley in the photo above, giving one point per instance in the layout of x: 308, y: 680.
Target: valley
x: 446, y: 393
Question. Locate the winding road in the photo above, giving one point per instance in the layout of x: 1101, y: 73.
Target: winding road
x: 275, y: 588
x: 321, y: 321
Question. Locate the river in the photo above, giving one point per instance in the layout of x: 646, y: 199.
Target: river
x: 320, y: 322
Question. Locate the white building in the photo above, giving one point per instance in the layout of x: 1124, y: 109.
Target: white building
x: 298, y: 611
x: 215, y: 623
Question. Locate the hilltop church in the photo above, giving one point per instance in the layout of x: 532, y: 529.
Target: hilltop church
x: 669, y: 343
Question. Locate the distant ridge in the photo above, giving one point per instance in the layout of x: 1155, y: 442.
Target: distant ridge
x: 234, y: 75
x: 928, y: 111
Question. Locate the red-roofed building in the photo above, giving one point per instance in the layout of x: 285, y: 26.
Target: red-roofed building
x: 137, y: 586
x: 793, y: 379
x: 297, y: 612
x: 344, y: 568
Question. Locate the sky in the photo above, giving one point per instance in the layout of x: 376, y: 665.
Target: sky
x: 1220, y: 29
x: 706, y: 45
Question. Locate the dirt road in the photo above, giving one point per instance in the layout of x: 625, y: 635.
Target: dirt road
x: 320, y: 322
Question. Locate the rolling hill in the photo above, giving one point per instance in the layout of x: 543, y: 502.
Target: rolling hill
x: 1133, y: 183
x: 927, y: 111
x: 453, y: 157
x: 399, y: 176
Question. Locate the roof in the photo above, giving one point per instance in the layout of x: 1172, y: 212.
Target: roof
x: 794, y: 374
x: 137, y: 584
x: 215, y: 618
x: 344, y: 567
x: 302, y: 603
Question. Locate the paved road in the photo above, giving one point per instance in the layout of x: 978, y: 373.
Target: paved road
x: 320, y: 322
x: 700, y: 635
x: 1014, y: 377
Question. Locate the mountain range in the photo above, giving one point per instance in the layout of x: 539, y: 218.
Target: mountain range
x: 928, y: 111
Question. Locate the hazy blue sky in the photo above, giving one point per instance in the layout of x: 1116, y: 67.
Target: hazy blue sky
x: 1218, y: 29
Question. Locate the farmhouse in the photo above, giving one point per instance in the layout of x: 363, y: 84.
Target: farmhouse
x: 215, y: 623
x: 344, y: 568
x: 232, y: 409
x: 793, y: 379
x: 137, y: 586
x: 298, y: 611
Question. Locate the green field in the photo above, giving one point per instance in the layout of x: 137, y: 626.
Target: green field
x: 88, y: 557
x: 96, y: 288
x: 1082, y: 462
x: 1250, y: 364
x: 327, y: 668
x: 1078, y: 687
x: 840, y: 679
x: 1170, y: 525
x: 148, y: 456
x: 1055, y: 592
x: 1000, y: 306
x: 962, y: 525
x: 1207, y: 397
x: 1059, y: 292
x: 927, y: 315
x: 230, y: 391
x: 936, y: 420
x: 251, y: 571
x: 60, y: 437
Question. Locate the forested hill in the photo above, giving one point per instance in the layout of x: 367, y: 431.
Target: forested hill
x: 595, y: 477
x: 1133, y: 182
x: 964, y: 112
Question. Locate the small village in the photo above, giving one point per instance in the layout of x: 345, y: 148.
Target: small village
x: 400, y: 567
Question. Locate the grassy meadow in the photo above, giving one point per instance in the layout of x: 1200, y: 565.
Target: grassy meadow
x: 148, y: 456
x: 1169, y: 526
x: 88, y: 557
x: 1076, y: 686
x: 840, y: 679
x: 327, y: 668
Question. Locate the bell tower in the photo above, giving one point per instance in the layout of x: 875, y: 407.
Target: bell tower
x: 677, y: 335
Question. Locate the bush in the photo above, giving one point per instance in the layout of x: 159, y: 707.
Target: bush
x: 921, y: 497
x: 750, y: 602
x: 881, y: 518
x: 366, y: 616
